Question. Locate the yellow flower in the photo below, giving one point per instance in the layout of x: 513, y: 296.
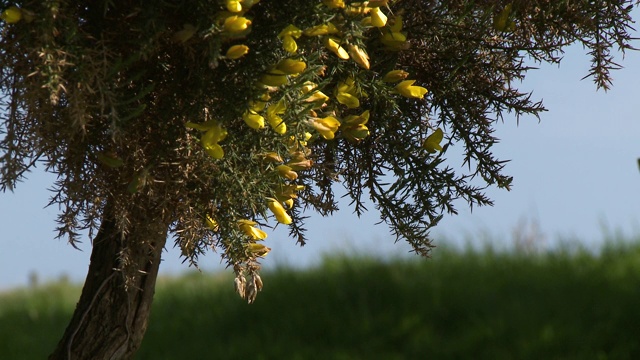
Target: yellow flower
x: 354, y: 127
x: 406, y: 89
x: 214, y: 134
x: 378, y: 18
x: 326, y: 126
x: 237, y: 51
x: 290, y: 30
x: 397, y: 24
x: 272, y: 157
x: 215, y: 150
x: 289, y: 44
x: 278, y: 211
x: 347, y: 86
x: 276, y: 122
x: 357, y: 119
x: 248, y: 227
x: 332, y: 44
x: 274, y: 77
x: 394, y: 39
x: 356, y: 133
x: 359, y: 56
x: 323, y: 29
x: 288, y: 192
x: 334, y: 4
x: 502, y: 21
x: 211, y: 223
x: 291, y: 66
x: 253, y: 119
x: 234, y: 6
x: 210, y: 139
x: 258, y: 249
x: 288, y: 36
x: 11, y: 15
x: 432, y: 143
x: 317, y: 97
x: 299, y: 161
x: 235, y: 24
x: 260, y: 103
x: 347, y: 99
x: 395, y: 75
x: 286, y: 172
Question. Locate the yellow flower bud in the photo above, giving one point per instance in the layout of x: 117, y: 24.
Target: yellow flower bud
x: 277, y: 124
x: 299, y: 161
x: 359, y: 56
x: 211, y: 223
x: 260, y: 103
x: 258, y: 249
x: 247, y: 226
x: 323, y: 29
x: 291, y: 66
x: 272, y: 157
x: 395, y: 75
x: 502, y: 21
x: 378, y: 18
x: 215, y: 150
x: 11, y: 15
x: 308, y: 86
x: 288, y: 203
x: 406, y: 89
x: 347, y: 99
x: 432, y: 143
x: 326, y: 126
x: 237, y: 51
x: 317, y: 97
x: 289, y: 44
x: 236, y: 24
x: 286, y: 172
x: 253, y: 119
x: 357, y: 119
x: 234, y: 6
x: 356, y: 132
x: 275, y: 121
x: 274, y: 77
x: 397, y: 24
x: 278, y: 211
x: 333, y: 45
x: 394, y: 40
x: 290, y: 30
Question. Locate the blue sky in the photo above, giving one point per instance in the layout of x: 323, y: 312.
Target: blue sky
x: 575, y: 178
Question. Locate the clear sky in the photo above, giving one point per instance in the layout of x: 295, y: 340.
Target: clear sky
x: 575, y: 177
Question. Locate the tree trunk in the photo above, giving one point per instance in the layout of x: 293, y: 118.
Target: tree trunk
x: 111, y: 316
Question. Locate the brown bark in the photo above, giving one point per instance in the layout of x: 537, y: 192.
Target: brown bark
x: 110, y: 318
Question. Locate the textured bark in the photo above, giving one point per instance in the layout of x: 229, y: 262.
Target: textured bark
x: 111, y: 317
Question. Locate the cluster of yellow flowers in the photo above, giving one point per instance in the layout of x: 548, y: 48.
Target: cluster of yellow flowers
x: 285, y: 87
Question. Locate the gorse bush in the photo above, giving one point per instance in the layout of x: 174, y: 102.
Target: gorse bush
x: 211, y: 121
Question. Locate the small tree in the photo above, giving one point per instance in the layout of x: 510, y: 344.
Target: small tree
x: 210, y: 121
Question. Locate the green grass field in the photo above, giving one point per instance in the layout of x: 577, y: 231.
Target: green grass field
x: 458, y: 305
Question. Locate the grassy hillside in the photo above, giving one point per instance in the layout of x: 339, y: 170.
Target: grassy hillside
x: 459, y: 305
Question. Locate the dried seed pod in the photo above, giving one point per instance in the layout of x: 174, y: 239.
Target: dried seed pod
x: 239, y: 283
x: 258, y: 281
x: 251, y: 291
